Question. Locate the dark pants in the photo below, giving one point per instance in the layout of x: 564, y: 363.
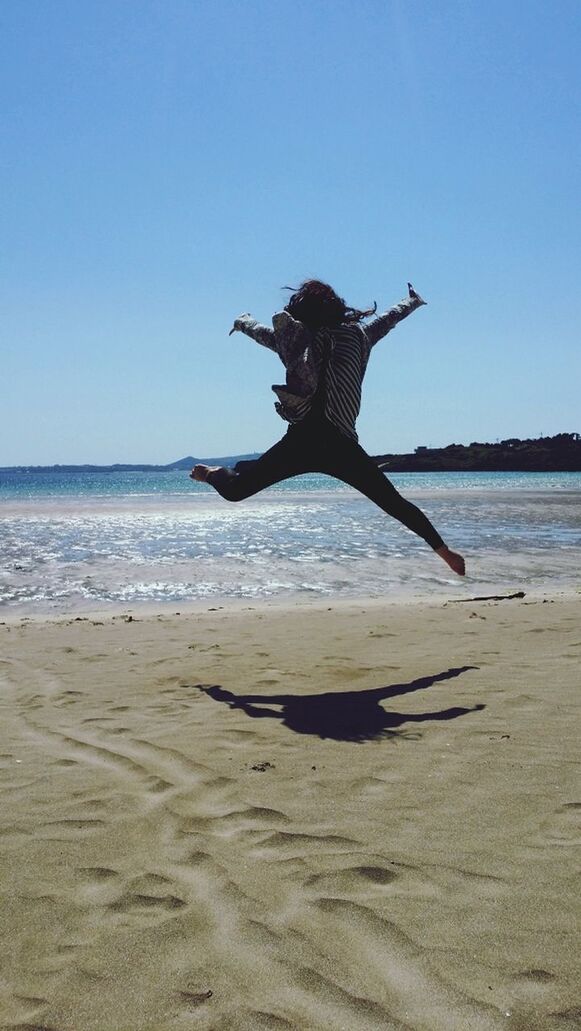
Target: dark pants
x: 316, y: 446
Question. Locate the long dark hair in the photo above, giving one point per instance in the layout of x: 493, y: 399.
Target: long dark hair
x: 316, y: 304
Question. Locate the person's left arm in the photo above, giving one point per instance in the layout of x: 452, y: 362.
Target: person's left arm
x: 382, y: 325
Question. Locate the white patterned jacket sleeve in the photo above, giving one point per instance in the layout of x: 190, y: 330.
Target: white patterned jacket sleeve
x: 262, y: 334
x: 381, y: 326
x: 289, y: 338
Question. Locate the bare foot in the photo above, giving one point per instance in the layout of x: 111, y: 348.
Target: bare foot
x: 456, y: 562
x: 200, y: 472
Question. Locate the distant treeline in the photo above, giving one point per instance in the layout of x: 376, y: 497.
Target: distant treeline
x: 561, y: 453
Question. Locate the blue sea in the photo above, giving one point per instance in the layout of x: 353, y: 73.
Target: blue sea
x: 96, y: 541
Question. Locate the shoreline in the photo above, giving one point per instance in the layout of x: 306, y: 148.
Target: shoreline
x: 143, y: 611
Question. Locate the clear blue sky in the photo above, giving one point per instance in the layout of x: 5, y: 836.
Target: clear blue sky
x: 170, y: 164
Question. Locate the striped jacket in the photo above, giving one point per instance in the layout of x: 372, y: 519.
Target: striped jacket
x: 343, y: 352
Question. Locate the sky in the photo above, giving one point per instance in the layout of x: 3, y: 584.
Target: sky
x: 170, y: 164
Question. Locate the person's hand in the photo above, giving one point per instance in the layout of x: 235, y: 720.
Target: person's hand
x: 238, y: 324
x: 414, y: 295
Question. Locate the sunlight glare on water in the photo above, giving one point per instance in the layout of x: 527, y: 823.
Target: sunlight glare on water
x: 71, y: 541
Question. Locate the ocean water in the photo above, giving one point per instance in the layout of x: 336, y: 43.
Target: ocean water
x: 74, y: 541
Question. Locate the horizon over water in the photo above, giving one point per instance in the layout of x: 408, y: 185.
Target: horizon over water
x: 89, y: 541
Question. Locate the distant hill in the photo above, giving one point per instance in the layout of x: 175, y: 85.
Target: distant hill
x: 182, y: 463
x: 561, y: 453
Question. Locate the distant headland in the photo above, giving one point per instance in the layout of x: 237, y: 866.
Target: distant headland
x: 141, y: 467
x: 561, y: 453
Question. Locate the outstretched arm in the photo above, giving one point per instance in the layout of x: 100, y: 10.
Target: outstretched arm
x: 262, y: 334
x: 384, y: 323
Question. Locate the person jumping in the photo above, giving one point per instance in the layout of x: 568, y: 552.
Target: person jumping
x: 325, y: 349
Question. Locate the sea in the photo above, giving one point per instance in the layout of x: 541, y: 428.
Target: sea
x: 98, y: 541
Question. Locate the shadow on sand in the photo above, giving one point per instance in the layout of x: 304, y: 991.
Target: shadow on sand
x: 342, y: 715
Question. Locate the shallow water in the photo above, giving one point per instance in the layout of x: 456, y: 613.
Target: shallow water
x: 93, y: 540
x: 155, y: 484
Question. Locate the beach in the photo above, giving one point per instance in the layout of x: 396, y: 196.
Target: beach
x: 321, y: 814
x: 299, y: 750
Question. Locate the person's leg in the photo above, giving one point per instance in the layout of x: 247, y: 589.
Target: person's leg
x: 347, y: 461
x: 286, y: 458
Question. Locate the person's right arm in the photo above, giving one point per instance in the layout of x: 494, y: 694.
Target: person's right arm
x: 262, y: 334
x: 382, y: 325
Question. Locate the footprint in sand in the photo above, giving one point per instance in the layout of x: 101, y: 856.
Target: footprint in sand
x: 371, y: 786
x: 289, y: 844
x: 98, y: 885
x: 372, y: 878
x: 71, y: 829
x: 97, y: 874
x: 137, y: 904
x: 246, y: 822
x: 149, y: 882
x: 145, y: 899
x: 26, y: 1010
x: 352, y: 880
x: 530, y: 992
x: 564, y: 826
x: 572, y: 1016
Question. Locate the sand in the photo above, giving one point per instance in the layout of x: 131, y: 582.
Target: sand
x: 366, y: 818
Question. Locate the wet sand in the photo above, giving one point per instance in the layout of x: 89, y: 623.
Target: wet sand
x: 345, y: 816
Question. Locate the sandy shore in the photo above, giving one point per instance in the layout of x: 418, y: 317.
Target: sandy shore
x: 366, y: 819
